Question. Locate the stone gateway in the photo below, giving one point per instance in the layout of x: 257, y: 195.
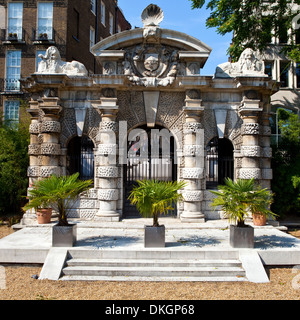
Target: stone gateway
x: 150, y: 115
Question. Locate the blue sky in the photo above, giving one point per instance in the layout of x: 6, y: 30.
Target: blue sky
x: 178, y: 15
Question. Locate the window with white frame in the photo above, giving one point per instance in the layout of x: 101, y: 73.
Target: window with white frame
x: 111, y: 23
x: 13, y: 70
x: 11, y: 111
x: 102, y: 13
x: 15, y: 20
x: 284, y: 73
x: 38, y: 59
x: 92, y: 37
x: 93, y: 6
x: 45, y: 20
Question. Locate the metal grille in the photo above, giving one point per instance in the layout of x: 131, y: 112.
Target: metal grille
x: 145, y: 165
x: 219, y: 162
x: 81, y: 157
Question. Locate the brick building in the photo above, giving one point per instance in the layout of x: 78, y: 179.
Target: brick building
x: 28, y: 28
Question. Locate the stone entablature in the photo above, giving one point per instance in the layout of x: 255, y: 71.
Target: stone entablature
x: 151, y: 76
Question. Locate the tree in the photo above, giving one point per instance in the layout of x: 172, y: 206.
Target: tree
x: 286, y: 164
x: 14, y: 162
x: 252, y: 22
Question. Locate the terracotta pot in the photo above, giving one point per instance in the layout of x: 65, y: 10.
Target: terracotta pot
x: 44, y: 215
x: 259, y: 219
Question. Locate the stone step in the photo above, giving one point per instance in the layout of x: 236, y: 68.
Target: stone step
x: 153, y: 263
x: 159, y: 264
x: 146, y: 271
x: 152, y: 278
x: 154, y: 254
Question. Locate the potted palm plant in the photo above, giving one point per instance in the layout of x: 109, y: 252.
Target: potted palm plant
x: 40, y: 204
x: 235, y: 198
x: 153, y: 198
x: 259, y: 207
x: 60, y: 193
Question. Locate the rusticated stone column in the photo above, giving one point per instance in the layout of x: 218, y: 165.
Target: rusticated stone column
x: 250, y: 150
x: 34, y: 154
x: 193, y: 171
x: 50, y: 131
x: 265, y: 142
x: 107, y: 169
x: 34, y: 148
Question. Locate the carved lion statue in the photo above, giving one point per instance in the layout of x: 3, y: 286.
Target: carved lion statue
x: 249, y: 64
x: 51, y: 63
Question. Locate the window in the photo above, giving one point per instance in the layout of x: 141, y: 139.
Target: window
x: 93, y: 6
x: 13, y: 70
x: 45, y: 20
x: 11, y: 111
x: 282, y: 31
x: 92, y: 37
x: 76, y: 35
x: 38, y: 59
x: 297, y: 32
x: 269, y: 68
x: 102, y: 13
x: 298, y: 75
x: 111, y: 23
x: 284, y: 73
x: 15, y: 20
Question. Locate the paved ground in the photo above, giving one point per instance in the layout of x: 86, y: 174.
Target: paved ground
x: 129, y: 234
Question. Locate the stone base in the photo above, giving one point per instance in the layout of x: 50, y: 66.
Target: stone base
x: 192, y: 217
x: 107, y: 219
x: 112, y: 216
x: 28, y: 219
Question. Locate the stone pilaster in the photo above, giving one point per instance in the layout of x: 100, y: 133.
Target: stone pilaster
x: 266, y: 155
x: 250, y: 149
x: 34, y: 153
x: 50, y: 131
x: 107, y: 169
x: 193, y: 172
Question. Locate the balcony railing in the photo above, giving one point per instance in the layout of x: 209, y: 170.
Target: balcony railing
x: 13, y: 34
x: 43, y: 34
x: 12, y: 85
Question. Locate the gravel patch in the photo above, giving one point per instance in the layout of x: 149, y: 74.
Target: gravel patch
x: 20, y: 285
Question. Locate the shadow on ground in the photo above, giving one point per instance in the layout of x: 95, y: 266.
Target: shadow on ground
x: 108, y: 241
x: 274, y: 241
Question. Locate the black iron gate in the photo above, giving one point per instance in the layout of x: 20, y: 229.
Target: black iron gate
x: 219, y: 162
x: 143, y: 163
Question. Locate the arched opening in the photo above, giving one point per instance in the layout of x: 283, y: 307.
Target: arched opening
x: 80, y: 157
x: 151, y: 154
x: 219, y: 162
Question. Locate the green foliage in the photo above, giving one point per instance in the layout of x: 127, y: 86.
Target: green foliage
x: 248, y: 22
x: 14, y: 162
x: 241, y: 197
x: 296, y: 185
x: 153, y: 198
x: 58, y: 193
x: 286, y: 164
